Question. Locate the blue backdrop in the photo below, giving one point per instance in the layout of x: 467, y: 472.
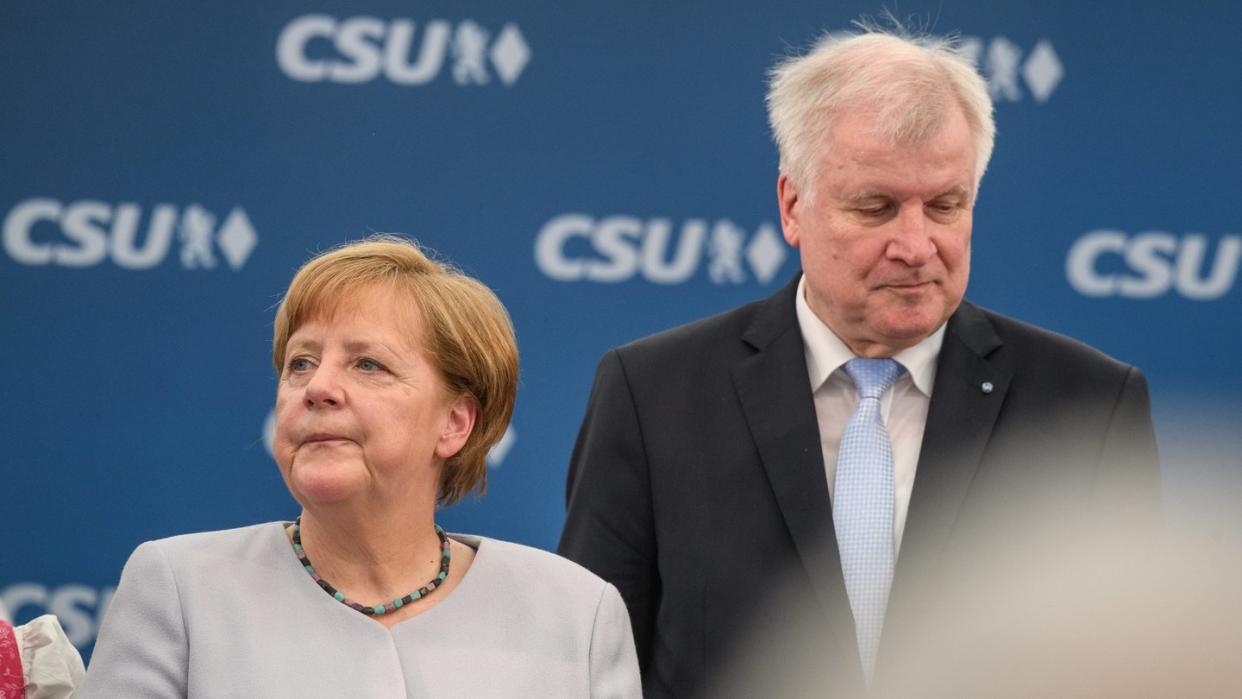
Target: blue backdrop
x: 605, y: 167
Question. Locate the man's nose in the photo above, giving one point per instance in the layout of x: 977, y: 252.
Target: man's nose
x: 323, y: 390
x: 911, y: 241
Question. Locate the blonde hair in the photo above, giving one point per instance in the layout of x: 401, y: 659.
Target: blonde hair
x: 908, y: 82
x: 468, y: 335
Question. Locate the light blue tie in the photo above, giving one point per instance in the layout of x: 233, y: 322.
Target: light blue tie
x: 862, y: 505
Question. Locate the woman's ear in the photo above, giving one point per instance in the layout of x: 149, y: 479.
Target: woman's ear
x: 462, y: 412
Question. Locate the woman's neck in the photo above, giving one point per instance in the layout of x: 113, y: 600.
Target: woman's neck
x: 372, y: 554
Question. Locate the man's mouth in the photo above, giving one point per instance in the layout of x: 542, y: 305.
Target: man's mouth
x: 908, y: 285
x: 323, y: 438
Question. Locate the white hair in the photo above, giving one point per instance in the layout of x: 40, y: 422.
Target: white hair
x: 908, y: 82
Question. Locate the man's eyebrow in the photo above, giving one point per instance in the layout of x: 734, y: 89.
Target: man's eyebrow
x: 866, y: 195
x: 956, y: 191
x: 869, y: 195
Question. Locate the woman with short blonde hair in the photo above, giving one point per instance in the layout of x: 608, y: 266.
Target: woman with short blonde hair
x: 396, y: 373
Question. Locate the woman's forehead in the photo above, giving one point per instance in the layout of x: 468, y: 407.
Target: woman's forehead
x: 375, y: 302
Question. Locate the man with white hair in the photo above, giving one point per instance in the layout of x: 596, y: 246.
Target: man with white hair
x: 797, y: 479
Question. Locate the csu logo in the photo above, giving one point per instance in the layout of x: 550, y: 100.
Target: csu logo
x: 85, y: 233
x: 576, y: 247
x: 317, y: 48
x: 80, y: 608
x: 1111, y: 263
x: 1006, y: 67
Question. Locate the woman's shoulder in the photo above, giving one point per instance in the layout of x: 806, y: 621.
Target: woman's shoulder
x: 521, y: 563
x: 240, y: 542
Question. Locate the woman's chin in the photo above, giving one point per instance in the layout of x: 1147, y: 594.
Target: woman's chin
x: 325, y: 485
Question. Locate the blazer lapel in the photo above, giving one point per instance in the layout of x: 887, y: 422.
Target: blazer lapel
x: 775, y: 393
x: 960, y: 419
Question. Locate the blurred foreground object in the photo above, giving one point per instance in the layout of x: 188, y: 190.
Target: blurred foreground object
x: 37, y: 661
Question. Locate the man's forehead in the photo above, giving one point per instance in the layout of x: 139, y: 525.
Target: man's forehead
x: 858, y: 161
x: 862, y: 177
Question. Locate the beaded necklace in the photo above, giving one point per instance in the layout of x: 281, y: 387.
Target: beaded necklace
x: 379, y: 609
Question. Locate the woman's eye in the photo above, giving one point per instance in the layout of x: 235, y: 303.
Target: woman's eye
x: 367, y: 364
x: 299, y: 364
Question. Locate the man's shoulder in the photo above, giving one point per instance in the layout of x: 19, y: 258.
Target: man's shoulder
x: 730, y: 323
x: 721, y: 333
x: 1030, y: 345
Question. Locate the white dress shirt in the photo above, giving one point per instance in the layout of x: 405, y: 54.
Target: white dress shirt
x: 903, y: 406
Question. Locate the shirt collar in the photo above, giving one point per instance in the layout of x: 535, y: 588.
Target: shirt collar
x: 825, y: 352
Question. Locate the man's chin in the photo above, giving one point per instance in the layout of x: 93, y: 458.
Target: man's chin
x: 902, y: 335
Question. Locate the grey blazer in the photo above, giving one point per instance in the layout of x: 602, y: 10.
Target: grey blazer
x: 233, y: 614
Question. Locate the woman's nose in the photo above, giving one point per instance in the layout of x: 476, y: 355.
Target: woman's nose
x: 323, y: 389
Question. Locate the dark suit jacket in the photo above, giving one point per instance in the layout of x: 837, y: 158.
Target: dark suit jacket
x: 697, y: 482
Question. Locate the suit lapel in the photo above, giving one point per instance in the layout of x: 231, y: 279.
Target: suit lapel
x: 775, y: 393
x: 960, y: 419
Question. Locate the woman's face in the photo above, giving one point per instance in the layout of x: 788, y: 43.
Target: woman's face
x: 361, y: 413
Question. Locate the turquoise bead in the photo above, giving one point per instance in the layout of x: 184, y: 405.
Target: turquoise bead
x: 438, y: 581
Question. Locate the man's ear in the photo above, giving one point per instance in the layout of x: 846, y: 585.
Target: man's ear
x: 791, y: 209
x: 462, y: 412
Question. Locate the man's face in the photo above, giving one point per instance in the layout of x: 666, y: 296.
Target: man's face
x: 884, y: 232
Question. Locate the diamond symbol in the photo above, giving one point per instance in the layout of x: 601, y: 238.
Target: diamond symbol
x: 972, y: 48
x: 1042, y: 70
x: 269, y: 432
x: 765, y: 253
x: 496, y: 455
x: 237, y: 238
x: 510, y: 53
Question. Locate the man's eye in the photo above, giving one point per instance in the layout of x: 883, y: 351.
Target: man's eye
x: 874, y: 211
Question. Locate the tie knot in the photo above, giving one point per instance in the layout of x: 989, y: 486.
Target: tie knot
x: 872, y: 377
